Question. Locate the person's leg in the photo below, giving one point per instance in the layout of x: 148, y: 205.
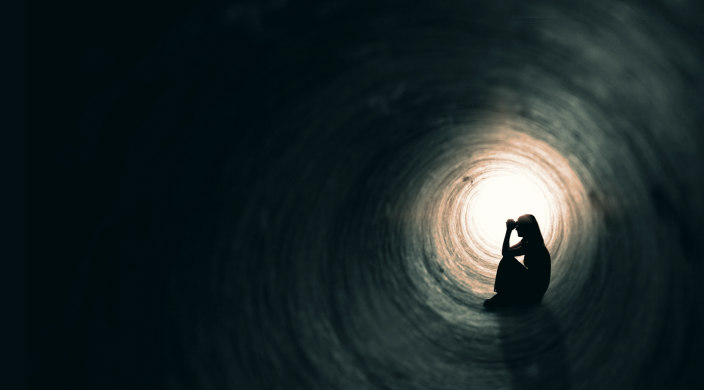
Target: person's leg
x: 509, y: 276
x: 509, y: 283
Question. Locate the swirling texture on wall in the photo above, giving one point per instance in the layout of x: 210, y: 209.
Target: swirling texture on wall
x: 304, y: 191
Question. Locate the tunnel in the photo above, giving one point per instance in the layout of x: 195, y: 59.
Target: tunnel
x: 312, y: 194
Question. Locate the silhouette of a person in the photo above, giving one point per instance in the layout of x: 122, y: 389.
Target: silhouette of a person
x: 525, y: 283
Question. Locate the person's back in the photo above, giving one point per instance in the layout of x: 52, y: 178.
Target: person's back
x: 537, y: 260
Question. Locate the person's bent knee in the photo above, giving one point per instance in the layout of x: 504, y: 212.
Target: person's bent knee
x: 506, y: 264
x: 508, y: 258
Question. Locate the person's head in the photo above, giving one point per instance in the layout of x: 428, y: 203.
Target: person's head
x: 527, y: 227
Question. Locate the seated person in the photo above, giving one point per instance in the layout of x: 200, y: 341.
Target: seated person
x: 525, y: 283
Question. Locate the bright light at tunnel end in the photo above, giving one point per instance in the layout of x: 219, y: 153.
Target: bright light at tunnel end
x: 506, y: 195
x: 505, y: 174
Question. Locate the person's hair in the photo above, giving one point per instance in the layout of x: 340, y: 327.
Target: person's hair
x: 531, y: 227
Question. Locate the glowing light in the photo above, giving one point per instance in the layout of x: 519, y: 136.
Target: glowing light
x: 503, y: 175
x: 503, y: 196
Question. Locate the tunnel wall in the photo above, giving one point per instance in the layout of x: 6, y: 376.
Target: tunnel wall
x: 276, y: 195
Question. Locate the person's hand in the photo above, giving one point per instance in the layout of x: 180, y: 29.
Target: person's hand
x: 510, y: 224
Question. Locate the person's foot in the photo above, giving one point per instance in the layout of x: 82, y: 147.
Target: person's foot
x: 499, y: 300
x: 493, y: 302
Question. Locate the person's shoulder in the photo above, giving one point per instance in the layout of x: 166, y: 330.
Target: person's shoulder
x: 539, y: 249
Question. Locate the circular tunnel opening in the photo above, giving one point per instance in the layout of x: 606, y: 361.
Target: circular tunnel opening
x: 504, y: 174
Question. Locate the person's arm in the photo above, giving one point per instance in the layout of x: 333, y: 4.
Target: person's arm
x: 515, y: 250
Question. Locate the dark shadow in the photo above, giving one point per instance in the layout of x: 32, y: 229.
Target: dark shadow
x: 533, y: 348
